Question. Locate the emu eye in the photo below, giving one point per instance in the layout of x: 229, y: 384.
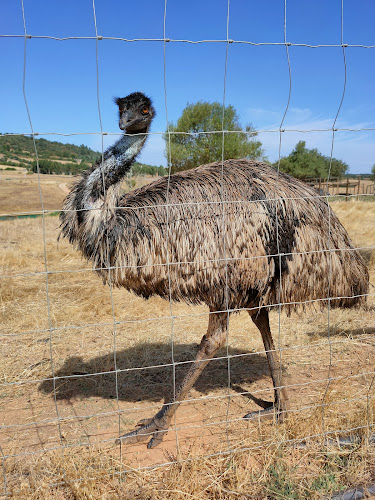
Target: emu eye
x: 144, y: 110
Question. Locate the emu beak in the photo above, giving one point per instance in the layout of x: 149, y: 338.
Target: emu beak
x: 126, y: 119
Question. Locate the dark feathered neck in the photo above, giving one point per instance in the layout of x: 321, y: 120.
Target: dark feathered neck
x: 112, y: 168
x: 99, y: 187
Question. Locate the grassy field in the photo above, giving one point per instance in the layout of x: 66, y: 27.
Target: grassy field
x: 20, y: 193
x: 54, y: 433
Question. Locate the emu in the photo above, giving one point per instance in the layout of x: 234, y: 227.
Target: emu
x: 232, y: 235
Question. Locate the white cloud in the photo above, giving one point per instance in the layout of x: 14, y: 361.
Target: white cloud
x: 263, y: 118
x: 300, y: 113
x: 255, y: 114
x: 357, y: 148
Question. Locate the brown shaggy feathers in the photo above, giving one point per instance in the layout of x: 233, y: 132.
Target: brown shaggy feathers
x: 270, y: 225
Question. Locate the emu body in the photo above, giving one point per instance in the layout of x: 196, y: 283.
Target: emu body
x: 232, y: 235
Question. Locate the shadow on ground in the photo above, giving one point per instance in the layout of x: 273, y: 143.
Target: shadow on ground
x: 143, y: 380
x: 338, y: 331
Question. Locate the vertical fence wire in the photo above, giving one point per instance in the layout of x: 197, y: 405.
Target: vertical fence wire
x: 45, y: 262
x: 224, y: 227
x: 369, y: 413
x: 329, y: 375
x: 167, y: 240
x: 280, y: 298
x: 107, y: 241
x: 6, y: 492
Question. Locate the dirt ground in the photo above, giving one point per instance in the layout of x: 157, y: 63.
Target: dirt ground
x: 82, y: 364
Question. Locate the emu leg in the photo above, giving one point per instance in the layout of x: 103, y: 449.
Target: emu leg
x: 281, y: 403
x: 157, y: 426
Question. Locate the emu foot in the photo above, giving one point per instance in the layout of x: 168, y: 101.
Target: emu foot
x: 149, y: 427
x: 269, y: 411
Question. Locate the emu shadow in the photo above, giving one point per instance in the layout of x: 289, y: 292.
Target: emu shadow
x: 339, y: 332
x: 142, y: 378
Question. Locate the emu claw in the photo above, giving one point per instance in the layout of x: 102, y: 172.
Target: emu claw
x: 147, y: 427
x: 267, y: 413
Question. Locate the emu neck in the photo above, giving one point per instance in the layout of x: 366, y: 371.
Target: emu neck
x: 107, y: 174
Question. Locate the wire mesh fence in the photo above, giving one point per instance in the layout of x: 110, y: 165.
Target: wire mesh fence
x: 83, y: 363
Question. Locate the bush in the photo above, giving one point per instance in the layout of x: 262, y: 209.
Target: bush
x: 54, y: 167
x: 303, y: 162
x: 141, y: 169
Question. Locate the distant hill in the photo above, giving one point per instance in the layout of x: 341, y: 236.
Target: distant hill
x: 13, y: 146
x: 18, y: 151
x: 55, y: 157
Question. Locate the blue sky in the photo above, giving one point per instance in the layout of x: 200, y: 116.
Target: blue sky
x: 61, y: 84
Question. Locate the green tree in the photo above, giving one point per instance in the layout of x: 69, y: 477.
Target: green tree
x: 142, y: 169
x: 188, y: 151
x: 303, y: 162
x: 373, y: 173
x: 54, y: 167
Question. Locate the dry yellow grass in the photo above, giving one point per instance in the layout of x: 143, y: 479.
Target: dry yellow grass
x: 49, y: 441
x: 19, y: 190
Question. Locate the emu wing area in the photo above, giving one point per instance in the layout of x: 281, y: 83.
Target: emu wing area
x: 263, y: 236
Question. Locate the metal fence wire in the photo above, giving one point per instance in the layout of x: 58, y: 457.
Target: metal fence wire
x: 41, y: 430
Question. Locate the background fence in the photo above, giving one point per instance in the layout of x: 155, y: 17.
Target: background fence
x: 82, y: 363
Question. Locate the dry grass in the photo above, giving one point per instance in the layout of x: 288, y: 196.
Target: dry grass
x: 19, y: 190
x: 82, y: 347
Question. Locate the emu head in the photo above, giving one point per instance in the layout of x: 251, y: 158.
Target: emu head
x: 135, y: 113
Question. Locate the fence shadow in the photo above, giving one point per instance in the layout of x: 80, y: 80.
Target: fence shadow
x: 146, y: 382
